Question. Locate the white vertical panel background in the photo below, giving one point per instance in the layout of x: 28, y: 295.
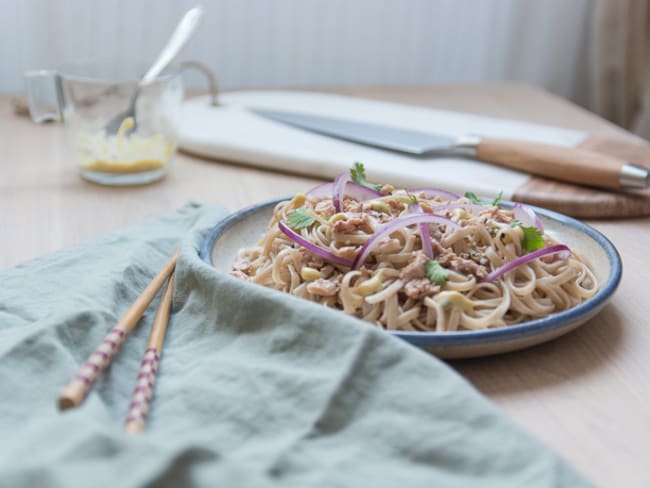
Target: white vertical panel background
x: 265, y: 43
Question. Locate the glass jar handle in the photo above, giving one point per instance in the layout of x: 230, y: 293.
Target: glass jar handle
x: 44, y: 95
x: 207, y: 72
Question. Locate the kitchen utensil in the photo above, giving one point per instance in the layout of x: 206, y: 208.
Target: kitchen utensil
x: 143, y: 393
x: 562, y: 163
x: 85, y: 96
x: 76, y: 390
x: 183, y: 32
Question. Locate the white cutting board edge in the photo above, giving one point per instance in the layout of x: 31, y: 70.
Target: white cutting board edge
x: 232, y: 133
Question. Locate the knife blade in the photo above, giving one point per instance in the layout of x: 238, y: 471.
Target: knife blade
x: 558, y: 162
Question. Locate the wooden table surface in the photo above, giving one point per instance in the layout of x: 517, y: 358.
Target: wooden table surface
x: 584, y: 395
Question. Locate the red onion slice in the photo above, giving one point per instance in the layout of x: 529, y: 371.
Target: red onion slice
x: 321, y: 191
x: 358, y: 192
x: 561, y: 248
x: 527, y: 217
x: 425, y: 235
x: 313, y: 248
x: 339, y: 190
x: 392, y: 226
x: 435, y: 192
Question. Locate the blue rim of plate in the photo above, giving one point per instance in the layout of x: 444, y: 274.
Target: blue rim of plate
x: 560, y: 320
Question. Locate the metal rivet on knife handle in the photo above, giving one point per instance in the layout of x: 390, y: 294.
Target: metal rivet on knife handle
x: 76, y: 390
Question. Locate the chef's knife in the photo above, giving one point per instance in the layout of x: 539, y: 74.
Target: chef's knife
x: 558, y: 162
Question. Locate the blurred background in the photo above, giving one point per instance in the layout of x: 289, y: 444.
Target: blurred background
x: 593, y: 52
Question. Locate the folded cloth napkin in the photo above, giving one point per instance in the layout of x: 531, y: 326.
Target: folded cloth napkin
x: 255, y: 388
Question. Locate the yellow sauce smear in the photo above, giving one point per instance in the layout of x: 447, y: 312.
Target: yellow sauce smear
x: 124, y: 167
x: 122, y: 153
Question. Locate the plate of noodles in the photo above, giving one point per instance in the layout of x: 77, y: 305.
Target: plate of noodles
x: 457, y: 275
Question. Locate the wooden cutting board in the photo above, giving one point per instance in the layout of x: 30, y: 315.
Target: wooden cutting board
x: 232, y: 133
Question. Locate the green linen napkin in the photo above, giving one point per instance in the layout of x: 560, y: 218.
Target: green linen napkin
x: 255, y: 388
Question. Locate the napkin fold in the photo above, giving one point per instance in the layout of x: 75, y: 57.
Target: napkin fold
x: 255, y: 388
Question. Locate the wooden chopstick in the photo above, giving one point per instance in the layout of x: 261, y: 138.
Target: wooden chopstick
x: 143, y: 392
x: 79, y: 386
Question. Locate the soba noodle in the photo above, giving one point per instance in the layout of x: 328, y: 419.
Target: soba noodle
x: 393, y: 287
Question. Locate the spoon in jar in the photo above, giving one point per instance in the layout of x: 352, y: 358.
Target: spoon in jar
x: 177, y: 41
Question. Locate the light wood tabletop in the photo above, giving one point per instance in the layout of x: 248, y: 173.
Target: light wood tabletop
x: 584, y: 394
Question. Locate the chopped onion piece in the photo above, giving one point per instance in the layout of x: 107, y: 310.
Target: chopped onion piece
x: 392, y: 226
x: 425, y: 235
x: 476, y: 209
x: 527, y: 217
x: 561, y: 248
x: 313, y: 248
x: 435, y: 192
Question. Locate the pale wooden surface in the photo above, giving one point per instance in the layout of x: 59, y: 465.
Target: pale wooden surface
x: 566, y: 164
x: 584, y: 395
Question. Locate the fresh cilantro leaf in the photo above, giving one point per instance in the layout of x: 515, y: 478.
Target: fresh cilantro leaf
x: 358, y: 173
x: 533, y: 239
x: 477, y: 201
x: 473, y: 198
x: 436, y: 273
x: 300, y: 219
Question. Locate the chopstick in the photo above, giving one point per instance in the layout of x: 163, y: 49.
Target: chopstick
x: 143, y: 392
x: 79, y: 386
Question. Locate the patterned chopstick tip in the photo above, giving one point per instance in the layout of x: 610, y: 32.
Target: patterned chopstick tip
x: 143, y: 392
x: 101, y: 358
x: 83, y: 381
x: 79, y: 386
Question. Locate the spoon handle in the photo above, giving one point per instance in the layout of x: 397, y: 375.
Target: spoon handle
x: 179, y: 38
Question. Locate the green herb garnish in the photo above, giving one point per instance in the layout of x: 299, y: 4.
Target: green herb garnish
x: 436, y: 273
x: 410, y: 199
x: 477, y: 201
x: 533, y: 239
x: 358, y: 173
x: 473, y: 198
x: 300, y: 219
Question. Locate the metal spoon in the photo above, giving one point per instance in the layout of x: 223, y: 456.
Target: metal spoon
x: 177, y: 41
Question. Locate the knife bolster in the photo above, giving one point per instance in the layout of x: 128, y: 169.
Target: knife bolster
x: 469, y: 141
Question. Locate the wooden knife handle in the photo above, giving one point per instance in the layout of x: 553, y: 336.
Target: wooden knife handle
x: 558, y: 162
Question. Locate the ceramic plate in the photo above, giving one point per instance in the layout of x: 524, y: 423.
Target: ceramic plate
x: 244, y: 228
